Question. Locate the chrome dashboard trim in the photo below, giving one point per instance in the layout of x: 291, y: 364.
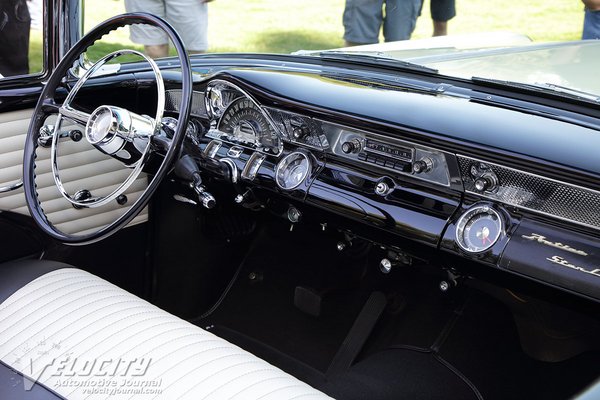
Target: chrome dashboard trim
x: 559, y: 184
x: 232, y: 167
x: 252, y: 166
x: 212, y: 148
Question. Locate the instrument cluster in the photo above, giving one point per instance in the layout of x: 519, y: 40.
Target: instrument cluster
x: 237, y: 119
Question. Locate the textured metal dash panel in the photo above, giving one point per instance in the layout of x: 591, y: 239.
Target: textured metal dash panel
x: 286, y: 122
x: 537, y: 193
x: 173, y: 102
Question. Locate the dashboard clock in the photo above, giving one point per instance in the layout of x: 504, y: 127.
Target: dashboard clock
x: 479, y: 228
x: 292, y: 170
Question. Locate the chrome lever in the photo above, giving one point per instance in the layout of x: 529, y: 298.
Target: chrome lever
x: 206, y: 199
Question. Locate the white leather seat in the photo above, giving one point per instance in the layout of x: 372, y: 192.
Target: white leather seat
x: 77, y: 334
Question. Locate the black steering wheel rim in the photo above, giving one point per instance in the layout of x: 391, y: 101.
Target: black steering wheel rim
x: 46, y: 105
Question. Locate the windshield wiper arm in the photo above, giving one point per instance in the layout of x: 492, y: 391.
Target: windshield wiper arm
x: 374, y: 60
x: 570, y: 91
x: 543, y: 88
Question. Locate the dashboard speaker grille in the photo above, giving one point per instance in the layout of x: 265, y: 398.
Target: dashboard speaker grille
x: 173, y: 102
x: 536, y: 193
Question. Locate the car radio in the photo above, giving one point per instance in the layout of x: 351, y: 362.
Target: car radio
x: 390, y: 154
x: 386, y: 155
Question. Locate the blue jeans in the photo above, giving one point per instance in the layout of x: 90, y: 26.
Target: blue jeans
x: 363, y: 20
x: 591, y: 25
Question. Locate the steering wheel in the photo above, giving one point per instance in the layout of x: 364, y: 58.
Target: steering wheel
x: 118, y: 132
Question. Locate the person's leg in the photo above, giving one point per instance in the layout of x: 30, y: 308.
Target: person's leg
x: 155, y: 41
x: 440, y: 28
x: 400, y: 19
x: 190, y: 19
x: 591, y: 25
x: 441, y: 12
x: 157, y: 50
x: 362, y: 21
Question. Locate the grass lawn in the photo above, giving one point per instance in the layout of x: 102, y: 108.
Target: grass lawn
x: 284, y: 26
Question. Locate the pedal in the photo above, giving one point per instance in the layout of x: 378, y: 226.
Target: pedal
x: 308, y: 301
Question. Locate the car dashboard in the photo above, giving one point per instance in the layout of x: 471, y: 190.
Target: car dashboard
x: 431, y: 171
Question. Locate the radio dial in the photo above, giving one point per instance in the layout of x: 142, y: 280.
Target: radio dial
x: 352, y: 146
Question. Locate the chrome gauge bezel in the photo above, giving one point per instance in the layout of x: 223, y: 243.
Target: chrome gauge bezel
x: 214, y: 133
x: 471, y: 213
x: 218, y: 86
x: 285, y: 162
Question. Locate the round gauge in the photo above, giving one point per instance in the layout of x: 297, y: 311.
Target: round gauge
x: 218, y: 97
x: 292, y: 170
x: 243, y: 122
x: 479, y: 228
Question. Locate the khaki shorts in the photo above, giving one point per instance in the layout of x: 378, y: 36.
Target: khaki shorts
x: 188, y: 17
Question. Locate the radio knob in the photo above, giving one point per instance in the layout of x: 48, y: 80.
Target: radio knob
x: 351, y: 146
x: 423, y: 165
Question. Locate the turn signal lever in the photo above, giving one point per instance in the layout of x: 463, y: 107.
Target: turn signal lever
x: 187, y: 169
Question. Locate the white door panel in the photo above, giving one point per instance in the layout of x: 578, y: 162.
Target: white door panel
x: 82, y: 167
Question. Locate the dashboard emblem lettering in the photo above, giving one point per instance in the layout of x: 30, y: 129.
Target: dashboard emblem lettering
x: 542, y: 239
x: 561, y: 261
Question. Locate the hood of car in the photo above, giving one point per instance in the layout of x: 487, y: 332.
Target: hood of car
x: 502, y: 56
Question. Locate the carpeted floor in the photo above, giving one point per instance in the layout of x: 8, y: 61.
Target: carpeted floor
x: 476, y: 351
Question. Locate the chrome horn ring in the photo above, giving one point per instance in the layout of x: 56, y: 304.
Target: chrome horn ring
x: 112, y: 130
x: 48, y: 106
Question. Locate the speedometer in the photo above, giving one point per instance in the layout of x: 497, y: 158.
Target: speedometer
x: 243, y: 122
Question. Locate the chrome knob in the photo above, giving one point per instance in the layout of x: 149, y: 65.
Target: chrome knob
x: 444, y: 286
x: 385, y: 266
x: 423, y: 165
x: 298, y: 132
x: 294, y: 215
x: 382, y: 188
x: 481, y: 184
x: 352, y: 146
x: 207, y: 200
x: 486, y: 183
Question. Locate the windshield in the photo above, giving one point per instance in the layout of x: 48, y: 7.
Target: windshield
x: 536, y: 42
